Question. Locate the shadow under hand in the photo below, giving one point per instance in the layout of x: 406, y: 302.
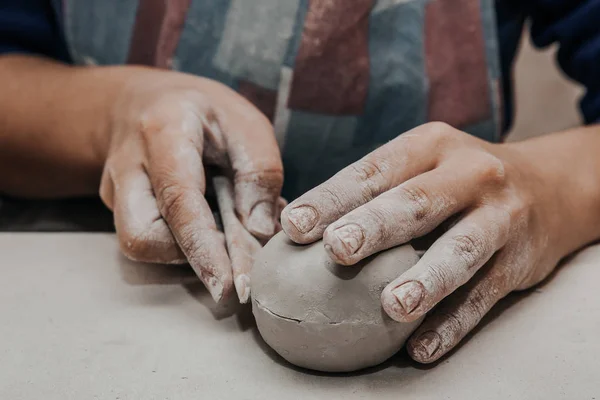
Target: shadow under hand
x: 226, y: 308
x: 138, y: 274
x: 399, y: 361
x: 145, y: 274
x: 502, y: 306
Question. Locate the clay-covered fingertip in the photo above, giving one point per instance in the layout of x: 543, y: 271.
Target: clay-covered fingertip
x: 425, y: 347
x: 242, y: 288
x: 391, y: 306
x: 290, y: 230
x: 216, y: 291
x: 299, y: 223
x: 334, y: 257
x: 261, y: 222
x: 219, y: 289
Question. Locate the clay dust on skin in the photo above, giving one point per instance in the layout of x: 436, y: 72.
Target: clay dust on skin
x: 241, y: 245
x: 354, y: 244
x: 363, y: 232
x: 242, y: 287
x: 458, y: 315
x: 143, y: 234
x: 431, y: 280
x: 255, y: 162
x: 199, y: 237
x: 338, y: 196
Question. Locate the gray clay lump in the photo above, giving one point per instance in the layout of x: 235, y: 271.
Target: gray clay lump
x: 323, y: 316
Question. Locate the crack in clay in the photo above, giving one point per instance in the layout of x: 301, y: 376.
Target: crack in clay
x: 278, y: 315
x: 299, y: 321
x: 324, y: 320
x: 326, y: 316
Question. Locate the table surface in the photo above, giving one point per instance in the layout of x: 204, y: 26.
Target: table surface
x: 81, y: 322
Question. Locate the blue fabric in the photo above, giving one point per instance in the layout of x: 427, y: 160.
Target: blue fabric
x: 31, y: 26
x: 511, y: 19
x: 576, y: 26
x: 573, y: 24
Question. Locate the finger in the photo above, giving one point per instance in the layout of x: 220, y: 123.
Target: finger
x: 107, y: 190
x: 281, y: 204
x: 177, y: 175
x: 143, y: 234
x: 256, y: 163
x: 448, y: 264
x: 457, y: 315
x: 413, y: 153
x: 241, y: 245
x: 410, y: 210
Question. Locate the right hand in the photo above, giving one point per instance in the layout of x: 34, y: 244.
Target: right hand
x: 166, y: 127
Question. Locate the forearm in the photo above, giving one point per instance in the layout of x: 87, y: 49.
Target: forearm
x: 568, y: 168
x: 54, y: 126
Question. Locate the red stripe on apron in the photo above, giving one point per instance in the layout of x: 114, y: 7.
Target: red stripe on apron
x: 331, y: 73
x: 459, y: 92
x: 157, y: 30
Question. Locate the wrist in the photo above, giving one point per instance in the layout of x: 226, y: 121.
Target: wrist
x: 561, y: 171
x: 55, y: 126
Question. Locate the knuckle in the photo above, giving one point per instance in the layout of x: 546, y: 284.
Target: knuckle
x: 270, y: 179
x: 439, y: 128
x: 171, y: 118
x: 453, y: 323
x: 134, y: 244
x: 370, y: 174
x: 441, y: 131
x: 470, y: 248
x: 502, y: 277
x: 149, y: 124
x: 170, y: 200
x: 334, y: 195
x: 493, y: 169
x: 519, y: 210
x: 420, y: 203
x: 369, y: 167
x: 476, y: 304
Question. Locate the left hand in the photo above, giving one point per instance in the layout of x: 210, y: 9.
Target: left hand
x: 514, y: 223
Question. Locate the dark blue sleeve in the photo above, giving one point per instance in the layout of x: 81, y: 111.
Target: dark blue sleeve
x: 510, y: 20
x: 575, y: 26
x: 31, y: 26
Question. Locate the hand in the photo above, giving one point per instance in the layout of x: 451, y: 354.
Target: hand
x: 515, y: 219
x: 166, y: 127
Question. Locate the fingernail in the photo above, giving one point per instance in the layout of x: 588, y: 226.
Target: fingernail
x: 261, y: 221
x: 409, y: 295
x: 304, y: 218
x: 214, y: 286
x: 425, y: 346
x: 242, y: 287
x: 351, y: 237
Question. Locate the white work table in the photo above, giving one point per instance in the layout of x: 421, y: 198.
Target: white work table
x: 78, y: 321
